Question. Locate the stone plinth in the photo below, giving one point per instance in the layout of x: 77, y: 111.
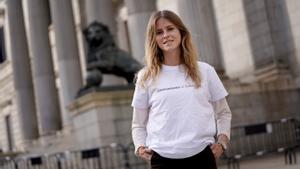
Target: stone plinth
x: 103, y: 117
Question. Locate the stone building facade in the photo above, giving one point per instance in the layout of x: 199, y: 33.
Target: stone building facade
x: 254, y: 45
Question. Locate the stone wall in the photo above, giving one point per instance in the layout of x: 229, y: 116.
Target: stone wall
x: 101, y: 118
x: 259, y: 107
x: 8, y: 107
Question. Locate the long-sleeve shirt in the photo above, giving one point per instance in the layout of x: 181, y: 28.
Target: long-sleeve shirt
x: 175, y: 118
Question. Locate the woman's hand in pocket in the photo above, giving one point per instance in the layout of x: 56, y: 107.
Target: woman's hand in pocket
x: 145, y: 153
x: 217, y: 150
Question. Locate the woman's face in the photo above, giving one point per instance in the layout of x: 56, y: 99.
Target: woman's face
x: 168, y: 36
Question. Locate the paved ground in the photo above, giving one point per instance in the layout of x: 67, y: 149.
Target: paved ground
x: 272, y: 161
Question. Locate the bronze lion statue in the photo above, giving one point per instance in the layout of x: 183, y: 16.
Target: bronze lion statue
x: 104, y: 57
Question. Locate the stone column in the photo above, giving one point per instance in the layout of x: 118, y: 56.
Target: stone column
x: 139, y: 12
x: 200, y: 19
x: 67, y: 53
x: 270, y: 38
x: 123, y: 39
x: 102, y: 11
x: 234, y: 39
x: 37, y: 21
x: 261, y: 24
x: 292, y: 7
x: 21, y: 71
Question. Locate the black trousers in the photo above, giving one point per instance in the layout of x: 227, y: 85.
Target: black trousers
x: 203, y: 160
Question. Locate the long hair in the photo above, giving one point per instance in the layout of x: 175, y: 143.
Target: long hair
x: 154, y: 55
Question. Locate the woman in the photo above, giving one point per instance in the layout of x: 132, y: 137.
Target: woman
x: 181, y: 118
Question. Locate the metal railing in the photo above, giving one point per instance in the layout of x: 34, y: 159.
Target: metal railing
x: 114, y: 156
x: 254, y: 140
x: 259, y: 139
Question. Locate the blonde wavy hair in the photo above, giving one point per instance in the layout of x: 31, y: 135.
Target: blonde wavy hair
x: 154, y: 55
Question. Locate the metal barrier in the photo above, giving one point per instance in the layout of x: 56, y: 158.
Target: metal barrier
x: 259, y: 139
x: 114, y: 156
x: 251, y: 140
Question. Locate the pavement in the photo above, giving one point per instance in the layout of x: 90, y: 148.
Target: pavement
x: 270, y: 161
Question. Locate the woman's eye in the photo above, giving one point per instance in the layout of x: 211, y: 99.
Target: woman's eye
x: 159, y: 32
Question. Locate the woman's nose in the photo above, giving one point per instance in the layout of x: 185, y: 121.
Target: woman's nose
x: 165, y: 34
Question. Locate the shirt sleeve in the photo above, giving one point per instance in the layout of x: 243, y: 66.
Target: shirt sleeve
x: 138, y: 127
x: 215, y: 85
x: 140, y: 96
x: 223, y: 117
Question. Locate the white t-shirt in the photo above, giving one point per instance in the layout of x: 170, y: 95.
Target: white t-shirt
x: 181, y: 120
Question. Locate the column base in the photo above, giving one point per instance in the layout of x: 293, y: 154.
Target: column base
x: 273, y: 72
